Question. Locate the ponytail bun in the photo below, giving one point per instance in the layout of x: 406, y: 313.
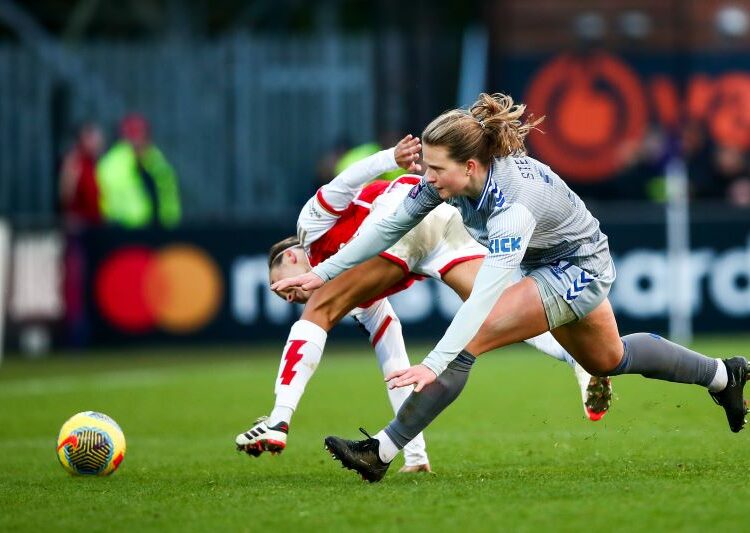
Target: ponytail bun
x: 492, y: 127
x: 501, y: 121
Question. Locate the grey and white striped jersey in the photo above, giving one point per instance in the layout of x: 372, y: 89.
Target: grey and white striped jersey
x: 526, y: 216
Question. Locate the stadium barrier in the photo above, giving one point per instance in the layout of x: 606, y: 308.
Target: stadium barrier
x: 211, y: 285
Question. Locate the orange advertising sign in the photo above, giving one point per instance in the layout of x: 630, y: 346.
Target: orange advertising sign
x: 598, y: 111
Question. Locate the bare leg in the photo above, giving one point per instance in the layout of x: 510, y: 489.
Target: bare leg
x: 594, y: 341
x: 304, y: 348
x: 518, y: 315
x: 461, y: 277
x: 329, y: 304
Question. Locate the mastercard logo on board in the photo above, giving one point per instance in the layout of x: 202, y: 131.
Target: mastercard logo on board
x: 177, y: 288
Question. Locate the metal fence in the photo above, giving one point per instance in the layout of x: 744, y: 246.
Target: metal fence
x: 243, y: 119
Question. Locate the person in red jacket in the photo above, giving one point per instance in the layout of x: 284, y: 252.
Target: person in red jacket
x: 79, y: 203
x: 79, y: 191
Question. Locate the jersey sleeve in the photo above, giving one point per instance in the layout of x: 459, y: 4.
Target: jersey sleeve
x: 422, y: 199
x: 313, y: 223
x: 336, y: 196
x: 381, y: 235
x: 508, y: 235
x: 321, y: 212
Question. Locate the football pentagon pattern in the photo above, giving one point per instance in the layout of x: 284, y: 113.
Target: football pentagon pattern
x: 90, y: 444
x: 89, y: 451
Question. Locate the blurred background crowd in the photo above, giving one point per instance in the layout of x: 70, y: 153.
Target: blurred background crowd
x: 164, y: 116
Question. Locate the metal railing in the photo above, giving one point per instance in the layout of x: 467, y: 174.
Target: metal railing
x: 242, y: 119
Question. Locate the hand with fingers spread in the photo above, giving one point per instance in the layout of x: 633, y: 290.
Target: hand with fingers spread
x: 407, y: 153
x: 419, y: 375
x: 307, y: 282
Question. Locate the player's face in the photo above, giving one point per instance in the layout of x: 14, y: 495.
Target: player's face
x: 446, y: 175
x: 289, y: 269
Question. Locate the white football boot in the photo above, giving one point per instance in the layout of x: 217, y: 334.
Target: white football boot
x: 262, y: 438
x: 596, y: 393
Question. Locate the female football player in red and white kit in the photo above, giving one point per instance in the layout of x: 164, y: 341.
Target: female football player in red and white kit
x: 439, y: 247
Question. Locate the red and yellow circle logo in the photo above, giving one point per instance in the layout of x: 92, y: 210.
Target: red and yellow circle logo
x: 596, y: 113
x: 729, y: 116
x: 177, y: 288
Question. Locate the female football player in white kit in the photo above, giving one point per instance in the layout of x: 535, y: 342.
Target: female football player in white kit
x: 439, y: 247
x: 528, y: 218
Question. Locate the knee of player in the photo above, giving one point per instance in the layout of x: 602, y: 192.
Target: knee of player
x: 605, y: 361
x: 321, y: 314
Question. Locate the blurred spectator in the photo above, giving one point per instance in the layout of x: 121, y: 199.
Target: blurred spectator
x: 79, y: 191
x: 80, y: 202
x: 697, y: 152
x: 642, y: 176
x: 325, y: 170
x: 361, y: 151
x: 138, y: 186
x: 729, y: 173
x: 739, y: 192
x: 355, y: 154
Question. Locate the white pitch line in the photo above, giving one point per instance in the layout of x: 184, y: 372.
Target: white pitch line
x: 116, y: 379
x: 104, y: 381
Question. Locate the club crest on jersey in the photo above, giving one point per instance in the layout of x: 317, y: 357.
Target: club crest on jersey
x: 416, y: 190
x: 505, y: 245
x: 558, y: 268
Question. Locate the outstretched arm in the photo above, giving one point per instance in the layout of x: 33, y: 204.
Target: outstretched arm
x: 339, y: 193
x: 322, y: 211
x: 489, y: 285
x: 371, y: 241
x: 496, y: 274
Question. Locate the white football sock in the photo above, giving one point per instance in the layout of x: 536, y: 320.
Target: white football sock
x: 387, y: 449
x: 719, y: 383
x: 547, y: 344
x: 279, y: 413
x: 387, y: 338
x: 391, y: 358
x: 300, y: 359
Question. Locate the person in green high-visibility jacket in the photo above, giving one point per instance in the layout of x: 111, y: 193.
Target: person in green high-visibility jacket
x: 138, y: 187
x: 367, y: 149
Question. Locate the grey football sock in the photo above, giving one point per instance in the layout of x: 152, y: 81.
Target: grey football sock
x: 654, y: 357
x: 421, y: 408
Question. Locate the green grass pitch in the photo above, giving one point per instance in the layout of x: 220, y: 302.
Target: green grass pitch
x: 513, y: 453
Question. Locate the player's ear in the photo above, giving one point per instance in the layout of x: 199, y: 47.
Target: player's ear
x: 291, y: 256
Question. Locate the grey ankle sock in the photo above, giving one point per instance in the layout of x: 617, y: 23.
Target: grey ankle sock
x: 421, y: 408
x: 654, y: 357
